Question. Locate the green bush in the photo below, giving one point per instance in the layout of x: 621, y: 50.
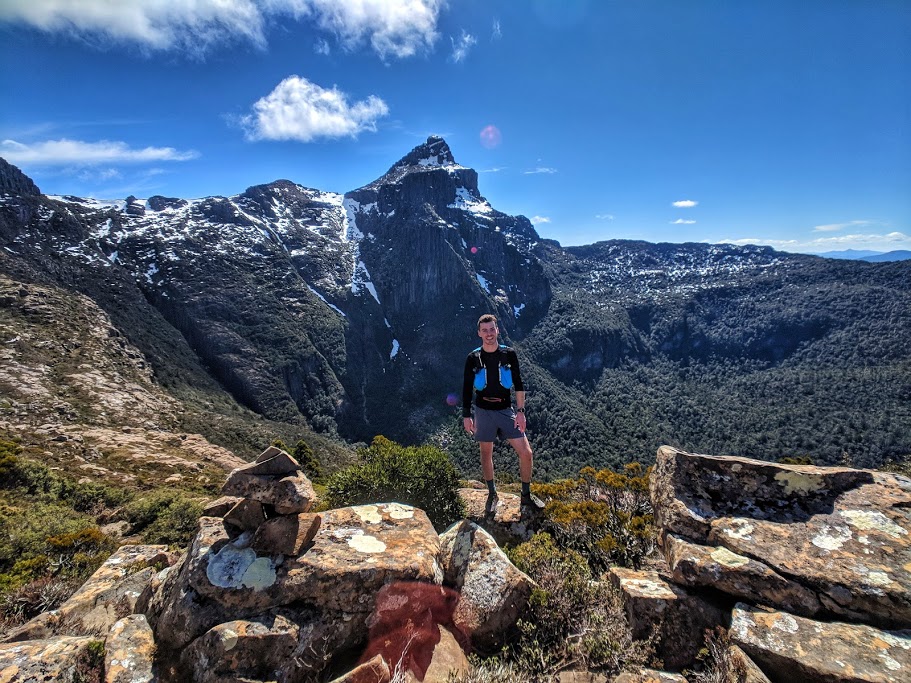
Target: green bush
x: 604, y: 515
x: 164, y: 516
x: 422, y: 476
x: 572, y: 620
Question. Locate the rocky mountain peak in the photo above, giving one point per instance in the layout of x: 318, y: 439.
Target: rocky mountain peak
x: 14, y: 181
x: 433, y: 155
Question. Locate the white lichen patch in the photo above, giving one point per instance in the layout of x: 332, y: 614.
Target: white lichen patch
x: 399, y: 511
x: 227, y: 567
x: 736, y: 467
x: 228, y: 639
x: 798, y: 482
x: 367, y: 544
x: 871, y: 520
x: 740, y: 528
x: 831, y: 538
x: 904, y: 642
x: 878, y: 578
x: 370, y: 514
x: 889, y: 663
x: 725, y: 557
x: 260, y: 574
x: 786, y: 623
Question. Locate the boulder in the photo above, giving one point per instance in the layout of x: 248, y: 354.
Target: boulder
x: 246, y: 515
x: 692, y: 564
x: 373, y: 671
x: 503, y: 517
x: 111, y: 593
x: 256, y: 648
x: 129, y: 651
x: 272, y: 462
x: 286, y: 535
x: 743, y: 669
x: 447, y: 658
x: 649, y: 676
x: 493, y: 592
x: 54, y: 659
x: 220, y: 506
x: 288, y: 494
x: 789, y: 648
x: 681, y: 617
x: 838, y: 532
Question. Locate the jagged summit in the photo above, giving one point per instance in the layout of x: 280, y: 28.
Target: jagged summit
x: 433, y: 155
x: 14, y: 181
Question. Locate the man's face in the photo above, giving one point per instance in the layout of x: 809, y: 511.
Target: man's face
x: 488, y: 333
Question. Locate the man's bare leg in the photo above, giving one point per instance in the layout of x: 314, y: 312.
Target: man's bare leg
x: 523, y: 450
x: 487, y: 459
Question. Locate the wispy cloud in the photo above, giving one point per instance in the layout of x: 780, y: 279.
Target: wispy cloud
x: 495, y: 169
x: 684, y: 204
x: 834, y: 227
x: 298, y: 109
x: 392, y: 28
x: 321, y: 47
x: 496, y: 33
x: 604, y: 216
x: 540, y: 169
x: 681, y: 221
x: 539, y: 219
x: 461, y: 47
x: 872, y: 241
x: 78, y: 153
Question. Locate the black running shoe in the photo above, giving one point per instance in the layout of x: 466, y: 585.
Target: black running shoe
x: 532, y: 501
x: 490, y: 507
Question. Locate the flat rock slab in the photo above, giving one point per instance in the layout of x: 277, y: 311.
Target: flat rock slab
x: 789, y: 647
x: 505, y: 519
x: 53, y: 659
x: 844, y: 534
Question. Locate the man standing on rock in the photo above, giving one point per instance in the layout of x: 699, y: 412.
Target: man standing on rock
x: 491, y: 372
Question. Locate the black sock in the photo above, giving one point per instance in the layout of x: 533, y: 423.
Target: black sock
x: 490, y: 486
x: 526, y: 488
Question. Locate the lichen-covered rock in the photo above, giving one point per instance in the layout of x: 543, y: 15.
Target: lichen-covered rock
x: 844, y: 534
x: 649, y: 676
x: 743, y: 669
x: 220, y: 506
x: 651, y: 601
x: 110, y: 594
x: 286, y: 535
x: 502, y: 517
x: 36, y: 661
x: 494, y: 593
x: 255, y: 648
x: 447, y: 659
x: 789, y: 647
x: 129, y: 651
x: 272, y: 461
x: 692, y: 564
x: 288, y: 494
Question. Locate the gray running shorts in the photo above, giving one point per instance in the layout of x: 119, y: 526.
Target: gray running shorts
x: 488, y: 423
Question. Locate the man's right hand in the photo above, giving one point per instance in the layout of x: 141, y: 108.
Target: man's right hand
x: 468, y: 424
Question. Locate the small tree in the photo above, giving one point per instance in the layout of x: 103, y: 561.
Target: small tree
x: 308, y: 460
x: 422, y: 476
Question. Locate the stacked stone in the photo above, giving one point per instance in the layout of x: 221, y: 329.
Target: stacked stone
x: 808, y: 568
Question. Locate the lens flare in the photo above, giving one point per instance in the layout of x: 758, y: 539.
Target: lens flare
x: 474, y: 250
x: 452, y: 399
x: 490, y: 136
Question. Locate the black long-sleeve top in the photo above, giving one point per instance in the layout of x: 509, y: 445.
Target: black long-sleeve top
x: 494, y: 396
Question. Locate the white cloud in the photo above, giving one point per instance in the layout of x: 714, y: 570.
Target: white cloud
x: 541, y: 169
x: 874, y: 242
x: 321, y: 47
x: 832, y: 227
x: 685, y: 204
x: 680, y: 221
x: 76, y: 152
x: 539, y: 219
x: 496, y: 33
x: 300, y: 110
x: 604, y: 216
x: 461, y: 46
x: 397, y: 28
x: 495, y: 169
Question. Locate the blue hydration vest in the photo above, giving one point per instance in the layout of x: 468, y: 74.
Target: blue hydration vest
x: 480, y: 373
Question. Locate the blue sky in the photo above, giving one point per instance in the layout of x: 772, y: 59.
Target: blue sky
x: 781, y: 123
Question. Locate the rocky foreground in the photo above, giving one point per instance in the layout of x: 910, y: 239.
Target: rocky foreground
x: 808, y: 569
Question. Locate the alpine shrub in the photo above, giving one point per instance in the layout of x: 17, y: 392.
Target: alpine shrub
x: 422, y: 476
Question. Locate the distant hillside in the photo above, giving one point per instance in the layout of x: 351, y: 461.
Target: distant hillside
x: 870, y: 256
x: 351, y: 315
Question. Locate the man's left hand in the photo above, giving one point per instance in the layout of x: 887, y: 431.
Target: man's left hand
x: 520, y: 422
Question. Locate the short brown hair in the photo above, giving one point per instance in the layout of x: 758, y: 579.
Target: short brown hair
x: 487, y: 318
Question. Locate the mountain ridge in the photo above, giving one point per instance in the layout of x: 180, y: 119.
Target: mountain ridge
x: 351, y: 314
